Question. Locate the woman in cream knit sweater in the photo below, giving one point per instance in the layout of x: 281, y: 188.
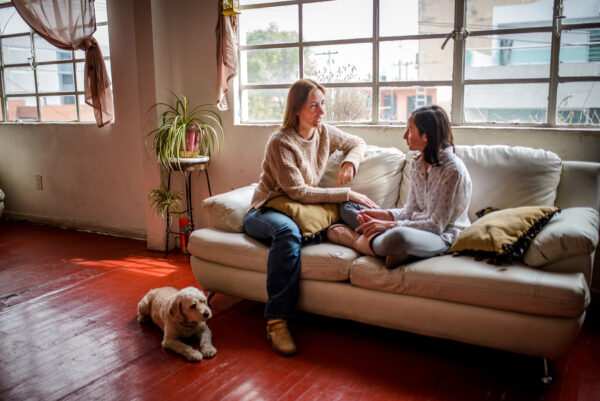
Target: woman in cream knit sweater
x: 295, y: 159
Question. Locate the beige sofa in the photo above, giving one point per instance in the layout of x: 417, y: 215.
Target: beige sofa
x: 533, y: 307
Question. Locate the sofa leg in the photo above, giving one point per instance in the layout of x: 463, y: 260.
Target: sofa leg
x: 209, y: 297
x: 546, y: 379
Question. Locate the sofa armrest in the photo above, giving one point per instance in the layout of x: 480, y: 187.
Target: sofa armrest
x: 579, y: 185
x: 572, y: 233
x: 226, y: 211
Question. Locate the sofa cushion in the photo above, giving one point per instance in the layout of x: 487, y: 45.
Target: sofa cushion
x: 515, y: 287
x: 226, y: 211
x: 510, y: 176
x: 325, y: 262
x: 504, y: 234
x: 311, y: 218
x: 573, y: 232
x: 379, y: 174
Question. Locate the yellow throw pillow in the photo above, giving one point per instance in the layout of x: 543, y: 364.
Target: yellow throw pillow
x: 312, y: 218
x: 503, y: 235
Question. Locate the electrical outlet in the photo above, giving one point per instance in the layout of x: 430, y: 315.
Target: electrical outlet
x: 38, y: 182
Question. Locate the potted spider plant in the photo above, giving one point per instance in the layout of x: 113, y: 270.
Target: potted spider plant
x: 163, y: 201
x: 184, y: 131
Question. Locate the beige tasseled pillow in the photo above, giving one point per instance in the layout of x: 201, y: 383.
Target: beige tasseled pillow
x: 503, y: 235
x: 311, y: 218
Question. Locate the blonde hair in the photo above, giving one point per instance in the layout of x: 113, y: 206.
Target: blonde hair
x: 297, y: 96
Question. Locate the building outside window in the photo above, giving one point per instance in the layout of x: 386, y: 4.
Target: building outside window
x: 533, y: 62
x: 39, y: 81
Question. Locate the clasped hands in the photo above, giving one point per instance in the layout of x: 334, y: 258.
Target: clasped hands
x: 374, y: 221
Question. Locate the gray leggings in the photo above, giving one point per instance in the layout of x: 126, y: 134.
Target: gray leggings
x: 398, y: 240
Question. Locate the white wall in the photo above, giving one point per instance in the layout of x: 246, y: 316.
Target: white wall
x: 97, y: 178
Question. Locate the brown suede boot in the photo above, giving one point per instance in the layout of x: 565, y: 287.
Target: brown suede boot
x: 342, y: 234
x: 280, y: 337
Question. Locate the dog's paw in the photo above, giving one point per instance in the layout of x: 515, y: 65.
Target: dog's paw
x: 193, y: 356
x: 209, y: 351
x: 144, y: 319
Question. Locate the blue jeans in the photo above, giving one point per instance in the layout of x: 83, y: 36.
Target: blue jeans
x: 397, y: 240
x: 283, y: 264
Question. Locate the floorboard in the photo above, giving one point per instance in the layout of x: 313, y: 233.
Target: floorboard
x: 68, y: 331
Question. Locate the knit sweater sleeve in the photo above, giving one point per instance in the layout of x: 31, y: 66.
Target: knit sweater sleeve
x: 352, y: 146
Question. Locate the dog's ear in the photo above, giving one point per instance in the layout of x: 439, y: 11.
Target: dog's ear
x: 175, y: 309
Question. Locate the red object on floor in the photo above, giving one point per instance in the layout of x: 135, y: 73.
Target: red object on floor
x: 68, y: 331
x: 184, y: 233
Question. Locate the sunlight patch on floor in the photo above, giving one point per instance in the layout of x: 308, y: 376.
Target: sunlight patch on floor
x: 142, y: 266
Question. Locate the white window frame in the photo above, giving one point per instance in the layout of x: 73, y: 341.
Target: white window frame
x: 458, y: 82
x: 34, y: 66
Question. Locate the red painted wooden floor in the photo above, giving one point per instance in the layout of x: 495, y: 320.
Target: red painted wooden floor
x: 68, y: 331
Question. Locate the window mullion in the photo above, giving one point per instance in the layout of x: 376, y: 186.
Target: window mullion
x: 554, y: 61
x: 35, y: 80
x: 375, y: 53
x: 300, y: 42
x: 74, y: 65
x: 4, y: 105
x: 458, y: 68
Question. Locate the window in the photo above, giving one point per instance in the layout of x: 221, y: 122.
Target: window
x: 508, y: 62
x: 40, y: 82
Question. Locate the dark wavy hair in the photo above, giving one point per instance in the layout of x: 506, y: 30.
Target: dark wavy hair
x: 435, y: 124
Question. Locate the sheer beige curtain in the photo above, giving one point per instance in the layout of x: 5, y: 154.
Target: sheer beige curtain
x: 227, y: 57
x: 69, y: 25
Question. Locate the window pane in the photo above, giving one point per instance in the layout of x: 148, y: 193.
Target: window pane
x: 337, y: 19
x: 489, y: 14
x: 16, y: 50
x: 412, y: 60
x: 396, y: 104
x: 506, y: 103
x: 580, y: 53
x: 339, y: 63
x: 56, y: 78
x: 19, y: 80
x: 100, y: 10
x: 580, y: 11
x: 44, y: 51
x: 80, y: 75
x: 271, y: 66
x: 263, y: 104
x: 578, y: 103
x: 21, y: 108
x: 86, y: 112
x: 269, y: 25
x: 524, y: 55
x: 101, y: 36
x: 58, y: 108
x: 415, y: 17
x: 348, y: 104
x: 11, y: 22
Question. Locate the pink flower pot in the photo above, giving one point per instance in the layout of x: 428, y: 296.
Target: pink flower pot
x: 192, y: 139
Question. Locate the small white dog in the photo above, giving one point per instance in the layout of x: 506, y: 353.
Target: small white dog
x: 180, y: 314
